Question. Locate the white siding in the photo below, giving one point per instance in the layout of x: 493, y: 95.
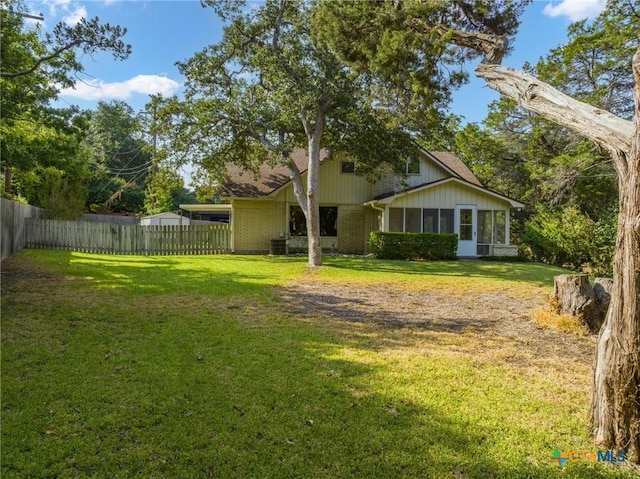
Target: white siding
x: 429, y: 172
x: 449, y: 195
x: 337, y: 188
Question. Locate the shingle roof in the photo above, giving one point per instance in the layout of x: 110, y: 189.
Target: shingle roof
x: 455, y: 164
x: 242, y: 183
x: 245, y: 184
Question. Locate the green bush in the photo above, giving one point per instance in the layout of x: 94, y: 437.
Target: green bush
x: 429, y: 246
x: 62, y: 195
x: 568, y: 237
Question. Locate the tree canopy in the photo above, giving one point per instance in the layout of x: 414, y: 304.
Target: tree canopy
x: 120, y: 158
x: 35, y: 65
x: 549, y: 167
x: 269, y: 87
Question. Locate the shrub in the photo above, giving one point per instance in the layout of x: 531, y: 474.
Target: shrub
x: 560, y: 237
x: 59, y: 193
x: 569, y: 237
x: 521, y: 258
x: 430, y: 246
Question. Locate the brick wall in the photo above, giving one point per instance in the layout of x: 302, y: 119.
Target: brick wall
x: 351, y: 228
x: 256, y: 223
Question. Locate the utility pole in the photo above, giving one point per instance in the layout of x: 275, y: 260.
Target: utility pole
x: 40, y: 17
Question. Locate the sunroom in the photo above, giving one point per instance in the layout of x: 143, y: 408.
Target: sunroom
x: 479, y: 217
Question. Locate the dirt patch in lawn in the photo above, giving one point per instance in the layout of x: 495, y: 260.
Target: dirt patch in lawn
x: 486, y: 326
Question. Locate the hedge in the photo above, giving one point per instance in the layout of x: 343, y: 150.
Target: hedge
x: 431, y: 246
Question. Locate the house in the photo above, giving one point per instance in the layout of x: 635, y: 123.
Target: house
x: 439, y: 194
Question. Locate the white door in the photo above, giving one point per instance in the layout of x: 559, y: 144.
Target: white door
x: 466, y: 229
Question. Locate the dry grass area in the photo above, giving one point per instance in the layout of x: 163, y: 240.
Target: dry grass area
x: 494, y: 327
x: 548, y: 317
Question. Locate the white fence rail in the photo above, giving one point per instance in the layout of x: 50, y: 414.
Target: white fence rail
x: 128, y: 239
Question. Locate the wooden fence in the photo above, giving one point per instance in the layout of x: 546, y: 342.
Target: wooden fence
x: 12, y: 217
x: 128, y: 239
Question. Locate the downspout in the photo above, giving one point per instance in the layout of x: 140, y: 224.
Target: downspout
x: 382, y: 210
x: 232, y: 220
x: 381, y: 226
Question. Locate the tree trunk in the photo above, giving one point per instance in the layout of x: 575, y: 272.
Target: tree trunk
x: 7, y: 180
x: 602, y: 288
x: 575, y: 296
x: 615, y: 396
x: 313, y: 206
x: 314, y: 130
x: 615, y: 399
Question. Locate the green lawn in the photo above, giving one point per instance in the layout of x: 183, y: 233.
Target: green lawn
x: 189, y: 367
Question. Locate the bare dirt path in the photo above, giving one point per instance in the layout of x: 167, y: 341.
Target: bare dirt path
x: 486, y: 324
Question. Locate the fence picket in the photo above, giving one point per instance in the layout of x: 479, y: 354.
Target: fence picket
x: 127, y: 239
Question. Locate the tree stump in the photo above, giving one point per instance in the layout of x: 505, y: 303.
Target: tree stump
x: 602, y: 289
x: 574, y: 295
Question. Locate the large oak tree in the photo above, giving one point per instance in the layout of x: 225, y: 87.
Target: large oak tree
x: 267, y: 88
x: 355, y: 28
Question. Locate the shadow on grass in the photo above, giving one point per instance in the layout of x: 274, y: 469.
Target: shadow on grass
x: 221, y: 275
x: 534, y: 273
x: 169, y: 391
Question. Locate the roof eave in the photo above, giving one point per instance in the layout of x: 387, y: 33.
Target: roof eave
x: 390, y: 199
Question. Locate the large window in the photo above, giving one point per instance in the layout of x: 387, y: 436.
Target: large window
x: 492, y: 227
x: 328, y: 221
x: 396, y: 219
x: 485, y: 227
x: 500, y: 227
x: 425, y: 220
x: 430, y: 220
x: 412, y: 220
x: 446, y: 221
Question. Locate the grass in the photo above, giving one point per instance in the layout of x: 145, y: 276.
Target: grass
x: 548, y: 317
x: 189, y: 367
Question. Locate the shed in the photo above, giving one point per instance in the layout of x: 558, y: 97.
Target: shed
x: 164, y: 219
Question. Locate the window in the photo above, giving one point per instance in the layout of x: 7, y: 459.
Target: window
x: 446, y: 221
x: 413, y: 166
x: 466, y: 224
x: 416, y: 220
x: 492, y: 227
x: 429, y: 220
x: 492, y: 224
x: 500, y: 227
x: 347, y: 167
x: 412, y: 220
x: 485, y: 226
x: 328, y: 221
x: 396, y: 219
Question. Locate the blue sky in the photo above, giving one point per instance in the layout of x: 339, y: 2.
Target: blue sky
x: 164, y: 32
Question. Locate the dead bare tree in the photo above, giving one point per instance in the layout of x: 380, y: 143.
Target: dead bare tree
x: 615, y: 397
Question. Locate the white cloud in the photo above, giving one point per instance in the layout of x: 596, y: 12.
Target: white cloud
x: 141, y: 84
x: 74, y: 17
x: 55, y: 4
x: 575, y: 9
